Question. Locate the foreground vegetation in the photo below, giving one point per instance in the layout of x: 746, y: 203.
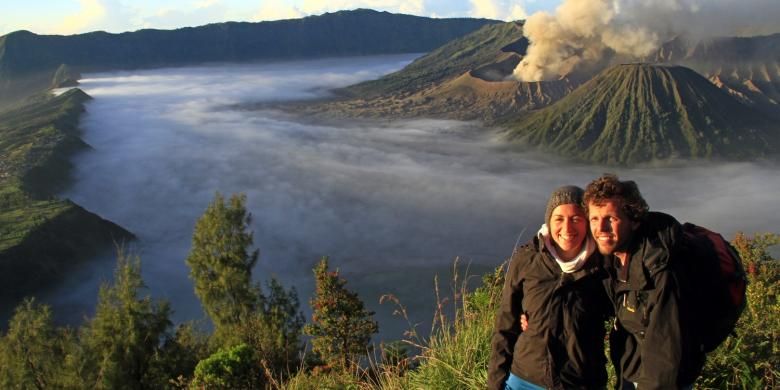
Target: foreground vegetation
x: 257, y: 337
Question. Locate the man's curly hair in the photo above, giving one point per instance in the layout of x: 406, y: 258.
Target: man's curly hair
x: 609, y: 187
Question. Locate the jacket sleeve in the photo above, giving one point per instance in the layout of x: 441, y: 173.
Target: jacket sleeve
x: 661, y: 349
x: 507, y: 326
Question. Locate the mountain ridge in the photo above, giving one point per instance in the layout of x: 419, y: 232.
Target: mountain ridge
x: 33, y: 59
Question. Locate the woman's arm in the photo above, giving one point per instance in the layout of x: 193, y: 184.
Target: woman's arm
x: 507, y: 326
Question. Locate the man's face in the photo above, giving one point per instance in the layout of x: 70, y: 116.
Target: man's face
x: 610, y: 226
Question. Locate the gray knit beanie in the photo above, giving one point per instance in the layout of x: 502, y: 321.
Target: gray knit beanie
x: 563, y: 195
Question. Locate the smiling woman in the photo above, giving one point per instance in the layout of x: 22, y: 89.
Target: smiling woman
x: 554, y: 284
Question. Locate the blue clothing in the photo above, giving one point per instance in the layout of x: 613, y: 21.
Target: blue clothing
x: 516, y: 383
x: 627, y: 385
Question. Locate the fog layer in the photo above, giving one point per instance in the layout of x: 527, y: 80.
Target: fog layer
x: 392, y: 203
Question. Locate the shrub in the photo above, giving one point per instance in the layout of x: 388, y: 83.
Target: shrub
x: 750, y: 359
x: 340, y: 327
x: 234, y: 368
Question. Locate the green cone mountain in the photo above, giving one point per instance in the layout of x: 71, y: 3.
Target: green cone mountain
x: 635, y: 113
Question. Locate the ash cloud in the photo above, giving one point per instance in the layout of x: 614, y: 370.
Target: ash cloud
x: 392, y: 203
x: 583, y: 32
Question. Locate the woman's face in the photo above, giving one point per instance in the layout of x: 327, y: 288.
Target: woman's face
x: 568, y: 228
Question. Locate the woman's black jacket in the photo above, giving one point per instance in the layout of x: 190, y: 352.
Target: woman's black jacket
x: 563, y: 346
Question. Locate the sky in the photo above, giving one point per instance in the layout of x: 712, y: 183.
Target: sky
x: 79, y: 16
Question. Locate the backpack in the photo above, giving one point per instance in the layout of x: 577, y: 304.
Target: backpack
x: 717, y: 283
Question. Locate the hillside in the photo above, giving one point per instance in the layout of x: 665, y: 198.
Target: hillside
x: 29, y: 61
x: 464, y: 79
x: 625, y: 117
x: 454, y: 58
x: 748, y: 68
x: 470, y: 78
x: 41, y: 236
x: 635, y: 113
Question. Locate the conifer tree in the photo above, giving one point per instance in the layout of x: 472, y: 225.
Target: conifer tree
x: 274, y: 331
x: 221, y: 264
x: 121, y: 342
x: 340, y: 325
x: 32, y: 351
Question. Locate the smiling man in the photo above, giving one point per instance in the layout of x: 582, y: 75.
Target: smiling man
x: 652, y: 345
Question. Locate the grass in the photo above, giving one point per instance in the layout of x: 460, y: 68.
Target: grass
x: 32, y: 141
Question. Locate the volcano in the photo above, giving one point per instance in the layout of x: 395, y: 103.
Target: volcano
x: 635, y: 113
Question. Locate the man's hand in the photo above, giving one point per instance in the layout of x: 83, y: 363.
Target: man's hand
x: 523, y: 322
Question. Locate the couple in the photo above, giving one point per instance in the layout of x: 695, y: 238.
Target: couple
x: 565, y: 283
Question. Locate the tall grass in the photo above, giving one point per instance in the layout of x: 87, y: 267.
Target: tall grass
x: 456, y: 354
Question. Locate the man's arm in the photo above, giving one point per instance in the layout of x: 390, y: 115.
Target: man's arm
x: 507, y: 326
x: 661, y: 350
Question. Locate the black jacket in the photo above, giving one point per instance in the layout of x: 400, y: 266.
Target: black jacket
x: 653, y: 343
x: 564, y: 344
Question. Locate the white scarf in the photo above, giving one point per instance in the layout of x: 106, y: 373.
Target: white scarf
x: 574, y: 264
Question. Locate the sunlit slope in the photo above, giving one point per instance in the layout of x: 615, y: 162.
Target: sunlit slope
x: 33, y: 59
x: 636, y: 113
x: 468, y: 78
x: 41, y: 236
x: 449, y: 61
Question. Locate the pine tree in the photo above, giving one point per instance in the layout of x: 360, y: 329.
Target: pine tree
x: 121, y: 342
x: 220, y: 263
x: 340, y: 325
x: 32, y: 351
x: 274, y: 331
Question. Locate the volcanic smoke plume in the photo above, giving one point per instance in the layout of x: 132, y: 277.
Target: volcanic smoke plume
x: 587, y: 31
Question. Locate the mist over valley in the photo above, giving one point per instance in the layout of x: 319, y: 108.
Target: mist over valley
x: 392, y: 202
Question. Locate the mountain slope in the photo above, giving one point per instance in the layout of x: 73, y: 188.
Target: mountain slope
x: 41, y: 236
x: 448, y: 61
x: 748, y: 68
x: 637, y: 113
x: 468, y: 78
x: 464, y: 79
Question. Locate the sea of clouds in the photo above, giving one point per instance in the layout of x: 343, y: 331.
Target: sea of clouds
x: 393, y: 203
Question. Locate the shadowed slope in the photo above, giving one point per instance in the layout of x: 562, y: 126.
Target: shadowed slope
x: 636, y: 113
x: 41, y: 236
